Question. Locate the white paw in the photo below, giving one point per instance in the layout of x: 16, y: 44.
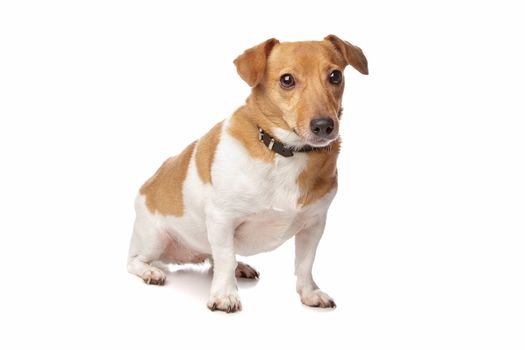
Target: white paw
x: 246, y: 271
x: 154, y: 275
x: 317, y: 298
x: 227, y: 303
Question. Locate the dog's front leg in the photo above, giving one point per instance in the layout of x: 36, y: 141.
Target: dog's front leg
x: 223, y: 294
x: 306, y: 243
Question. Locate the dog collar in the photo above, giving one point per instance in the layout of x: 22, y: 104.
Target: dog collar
x: 280, y: 148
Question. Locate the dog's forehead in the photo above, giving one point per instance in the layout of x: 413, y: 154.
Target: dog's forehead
x: 307, y: 54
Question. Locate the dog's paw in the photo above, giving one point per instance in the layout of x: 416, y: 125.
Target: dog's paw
x: 227, y: 303
x: 154, y: 276
x: 246, y: 271
x: 317, y: 298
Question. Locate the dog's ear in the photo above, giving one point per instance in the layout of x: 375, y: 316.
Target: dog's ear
x: 352, y: 54
x: 252, y: 63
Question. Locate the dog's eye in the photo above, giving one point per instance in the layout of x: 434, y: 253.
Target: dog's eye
x: 336, y: 77
x: 287, y: 81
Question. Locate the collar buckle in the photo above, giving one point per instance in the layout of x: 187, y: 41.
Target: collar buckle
x: 270, y: 145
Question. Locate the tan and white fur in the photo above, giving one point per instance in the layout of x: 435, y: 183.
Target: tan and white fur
x: 227, y: 194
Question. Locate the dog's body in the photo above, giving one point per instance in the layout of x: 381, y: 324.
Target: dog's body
x: 229, y: 193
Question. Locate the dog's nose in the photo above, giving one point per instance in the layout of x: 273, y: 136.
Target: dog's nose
x: 322, y: 127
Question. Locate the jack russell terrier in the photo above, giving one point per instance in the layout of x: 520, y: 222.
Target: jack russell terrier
x: 264, y: 175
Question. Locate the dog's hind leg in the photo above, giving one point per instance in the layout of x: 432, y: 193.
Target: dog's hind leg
x: 146, y: 247
x: 246, y: 271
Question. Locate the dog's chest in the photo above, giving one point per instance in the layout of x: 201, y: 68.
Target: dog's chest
x: 247, y: 185
x: 257, y: 187
x: 265, y: 197
x: 267, y: 230
x: 278, y: 187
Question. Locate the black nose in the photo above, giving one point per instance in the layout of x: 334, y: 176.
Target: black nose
x: 322, y: 127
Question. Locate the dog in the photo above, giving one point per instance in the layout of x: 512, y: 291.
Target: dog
x: 264, y: 175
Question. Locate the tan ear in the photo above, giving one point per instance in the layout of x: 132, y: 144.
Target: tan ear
x: 252, y: 63
x: 352, y: 54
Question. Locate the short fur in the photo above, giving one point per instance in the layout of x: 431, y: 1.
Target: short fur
x: 227, y: 194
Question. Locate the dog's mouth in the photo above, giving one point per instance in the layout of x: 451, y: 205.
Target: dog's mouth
x: 320, y: 142
x: 316, y: 141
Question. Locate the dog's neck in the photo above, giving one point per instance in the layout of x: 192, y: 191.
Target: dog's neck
x: 264, y: 115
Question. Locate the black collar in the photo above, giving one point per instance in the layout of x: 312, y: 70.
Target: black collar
x: 280, y: 148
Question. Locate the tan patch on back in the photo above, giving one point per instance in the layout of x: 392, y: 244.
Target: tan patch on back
x: 205, y: 153
x: 163, y: 190
x: 319, y: 176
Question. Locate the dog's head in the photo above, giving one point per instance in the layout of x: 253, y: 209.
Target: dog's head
x: 299, y: 85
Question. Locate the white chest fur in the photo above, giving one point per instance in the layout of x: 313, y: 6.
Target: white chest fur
x: 247, y: 185
x: 261, y: 197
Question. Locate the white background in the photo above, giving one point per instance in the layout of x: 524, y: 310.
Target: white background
x: 424, y: 247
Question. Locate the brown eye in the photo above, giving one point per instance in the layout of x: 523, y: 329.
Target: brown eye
x: 287, y: 81
x: 336, y: 77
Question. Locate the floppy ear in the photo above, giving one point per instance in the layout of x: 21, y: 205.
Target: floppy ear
x: 352, y: 54
x: 252, y: 63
